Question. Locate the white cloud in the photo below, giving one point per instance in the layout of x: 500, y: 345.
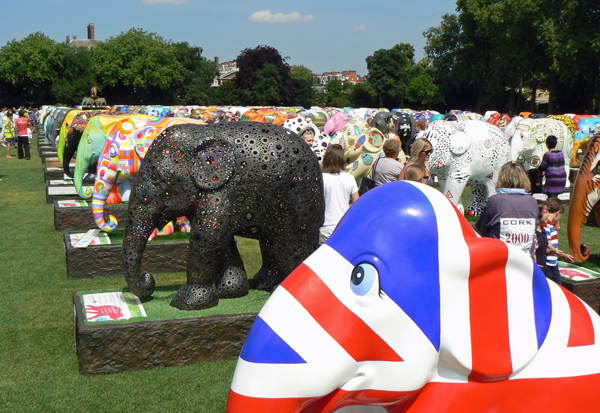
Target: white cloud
x: 155, y: 2
x: 265, y: 16
x: 359, y: 28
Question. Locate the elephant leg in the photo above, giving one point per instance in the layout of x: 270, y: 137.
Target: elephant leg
x: 453, y: 189
x: 281, y: 255
x: 479, y: 199
x: 234, y: 281
x: 208, y: 240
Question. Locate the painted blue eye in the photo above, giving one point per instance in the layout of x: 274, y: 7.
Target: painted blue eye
x: 363, y: 278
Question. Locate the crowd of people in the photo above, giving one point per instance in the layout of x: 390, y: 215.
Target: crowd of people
x: 512, y: 215
x: 16, y: 129
x: 17, y: 126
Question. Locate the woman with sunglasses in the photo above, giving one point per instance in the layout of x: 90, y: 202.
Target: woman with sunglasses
x: 420, y: 151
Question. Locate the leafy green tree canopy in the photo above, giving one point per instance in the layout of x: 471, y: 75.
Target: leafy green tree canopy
x: 389, y: 73
x: 29, y: 67
x: 137, y: 67
x: 250, y: 61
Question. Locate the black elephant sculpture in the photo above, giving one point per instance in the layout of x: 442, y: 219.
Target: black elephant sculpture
x: 250, y: 179
x: 400, y: 123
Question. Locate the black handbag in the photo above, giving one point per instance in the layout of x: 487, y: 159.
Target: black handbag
x: 368, y: 182
x: 366, y: 185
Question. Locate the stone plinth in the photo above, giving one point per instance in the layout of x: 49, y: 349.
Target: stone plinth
x: 45, y: 155
x: 53, y: 173
x: 105, y: 260
x: 588, y: 291
x: 56, y: 192
x: 52, y: 161
x: 110, y: 348
x: 81, y: 217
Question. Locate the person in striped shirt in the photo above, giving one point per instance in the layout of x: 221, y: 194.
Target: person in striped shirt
x: 555, y: 211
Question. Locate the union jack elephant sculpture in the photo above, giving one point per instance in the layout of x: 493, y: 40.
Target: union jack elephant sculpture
x: 409, y: 309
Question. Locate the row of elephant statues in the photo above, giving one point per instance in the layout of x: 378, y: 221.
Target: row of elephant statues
x: 210, y: 172
x: 465, y: 151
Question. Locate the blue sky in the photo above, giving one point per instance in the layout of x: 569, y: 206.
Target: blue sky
x: 321, y: 35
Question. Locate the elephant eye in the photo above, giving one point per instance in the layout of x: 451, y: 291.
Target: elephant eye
x: 364, y: 279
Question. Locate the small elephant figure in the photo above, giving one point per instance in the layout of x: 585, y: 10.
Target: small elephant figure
x: 463, y: 151
x: 250, y: 179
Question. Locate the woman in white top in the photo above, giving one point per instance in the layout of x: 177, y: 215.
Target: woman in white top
x: 339, y: 187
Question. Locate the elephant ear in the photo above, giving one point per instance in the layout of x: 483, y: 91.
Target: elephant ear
x: 459, y: 143
x: 213, y: 164
x: 504, y: 285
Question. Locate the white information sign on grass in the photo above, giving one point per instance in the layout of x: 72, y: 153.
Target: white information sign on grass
x: 576, y: 273
x: 92, y: 237
x: 60, y: 182
x: 64, y: 190
x: 71, y: 203
x: 112, y: 306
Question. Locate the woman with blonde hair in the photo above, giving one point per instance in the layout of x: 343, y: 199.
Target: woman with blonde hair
x: 415, y: 173
x: 511, y: 214
x: 420, y: 152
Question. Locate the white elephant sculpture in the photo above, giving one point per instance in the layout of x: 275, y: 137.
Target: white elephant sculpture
x: 528, y: 140
x: 463, y: 151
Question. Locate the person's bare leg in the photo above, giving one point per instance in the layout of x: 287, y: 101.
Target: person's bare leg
x: 8, y: 144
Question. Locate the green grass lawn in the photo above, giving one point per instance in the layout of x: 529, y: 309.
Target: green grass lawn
x: 39, y: 370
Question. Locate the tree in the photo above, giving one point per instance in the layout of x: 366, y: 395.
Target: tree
x: 422, y: 90
x: 225, y: 94
x: 339, y: 94
x: 198, y: 75
x: 28, y: 69
x: 305, y: 79
x: 250, y: 61
x: 266, y: 91
x: 363, y: 95
x: 137, y: 67
x: 389, y: 73
x: 77, y: 76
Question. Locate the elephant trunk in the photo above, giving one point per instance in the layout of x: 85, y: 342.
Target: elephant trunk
x: 586, y: 194
x: 81, y: 168
x: 140, y: 226
x: 71, y: 144
x: 102, y: 189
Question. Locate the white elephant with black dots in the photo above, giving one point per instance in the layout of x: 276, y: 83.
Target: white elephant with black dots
x: 528, y: 140
x: 467, y: 151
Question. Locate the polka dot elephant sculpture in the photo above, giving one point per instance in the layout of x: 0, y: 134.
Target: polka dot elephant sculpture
x: 528, y: 140
x: 467, y: 151
x: 299, y: 124
x: 120, y: 160
x: 250, y: 179
x: 362, y: 146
